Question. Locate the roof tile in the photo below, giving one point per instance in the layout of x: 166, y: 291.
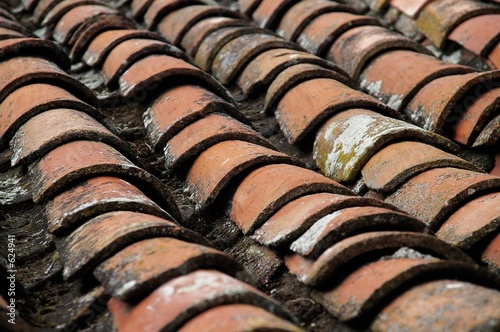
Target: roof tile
x: 42, y: 8
x: 231, y: 157
x: 139, y: 7
x: 439, y: 192
x: 95, y: 196
x: 82, y: 250
x: 134, y: 272
x: 494, y: 56
x: 158, y: 9
x: 491, y: 254
x: 411, y: 8
x: 6, y: 33
x: 202, y: 134
x: 269, y: 13
x: 490, y: 134
x: 247, y: 7
x: 13, y: 25
x: 52, y: 11
x: 478, y: 34
x: 237, y: 53
x: 265, y: 190
x: 29, y: 46
x: 180, y: 300
x: 393, y: 165
x: 294, y: 218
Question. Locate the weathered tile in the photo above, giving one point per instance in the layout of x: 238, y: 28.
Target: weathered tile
x: 95, y: 196
x: 238, y: 318
x: 478, y: 34
x: 235, y: 55
x: 82, y: 250
x: 14, y: 25
x: 346, y: 142
x: 247, y: 7
x: 139, y: 7
x: 354, y: 48
x: 491, y: 255
x: 53, y: 11
x: 125, y: 54
x: 158, y: 9
x: 178, y: 107
x: 494, y: 56
x: 149, y: 72
x: 396, y: 88
x: 134, y: 272
x: 32, y: 99
x: 15, y: 47
x: 294, y: 218
x: 347, y: 222
x: 265, y: 67
x: 433, y: 195
x: 6, y: 33
x: 216, y: 166
x: 42, y: 8
x: 472, y: 222
x: 490, y: 134
x: 269, y: 13
x: 265, y: 190
x: 411, y: 8
x: 395, y: 164
x: 202, y: 134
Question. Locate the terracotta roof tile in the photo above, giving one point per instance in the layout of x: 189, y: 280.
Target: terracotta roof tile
x: 268, y: 188
x: 176, y: 24
x: 490, y: 134
x: 491, y: 254
x: 139, y: 7
x: 318, y: 36
x: 50, y: 12
x: 269, y: 13
x: 41, y: 9
x: 265, y: 67
x: 27, y: 46
x: 134, y: 272
x: 185, y: 104
x: 158, y: 9
x: 180, y: 300
x: 128, y: 52
x: 347, y: 222
x: 32, y: 99
x: 82, y: 250
x: 478, y: 34
x: 236, y: 54
x: 100, y: 47
x: 13, y: 25
x: 410, y: 7
x: 202, y: 134
x: 294, y: 218
x: 393, y: 165
x: 6, y: 33
x: 442, y: 191
x: 233, y: 157
x: 237, y: 318
x: 95, y: 196
x: 320, y: 272
x: 494, y: 56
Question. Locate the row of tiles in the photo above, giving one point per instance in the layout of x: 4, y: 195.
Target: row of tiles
x: 472, y: 24
x: 252, y: 203
x: 89, y: 187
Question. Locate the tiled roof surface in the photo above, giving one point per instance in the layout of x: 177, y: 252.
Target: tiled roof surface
x: 176, y: 165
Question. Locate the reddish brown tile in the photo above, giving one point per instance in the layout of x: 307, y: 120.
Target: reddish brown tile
x: 269, y: 13
x: 491, y: 255
x: 120, y: 311
x: 14, y: 25
x: 359, y: 134
x: 15, y: 47
x: 434, y: 194
x: 32, y: 99
x: 344, y: 223
x: 218, y: 164
x: 99, y: 49
x: 437, y: 305
x: 396, y: 88
x: 180, y: 300
x: 294, y: 218
x: 124, y: 55
x: 247, y: 7
x: 54, y: 10
x: 478, y: 34
x: 472, y: 222
x: 193, y: 38
x: 70, y: 162
x: 494, y: 56
x: 320, y: 34
x: 323, y: 97
x: 93, y: 197
x: 73, y: 19
x: 392, y: 166
x: 238, y: 317
x: 177, y: 108
x: 265, y: 67
x: 439, y: 18
x: 354, y: 48
x: 42, y: 8
x: 490, y: 135
x: 436, y: 101
x: 236, y: 54
x: 6, y: 33
x: 60, y: 126
x: 303, y: 12
x: 177, y: 23
x: 410, y: 7
x: 134, y: 272
x: 318, y: 273
x: 265, y: 190
x: 476, y: 117
x: 161, y: 8
x: 149, y: 72
x: 295, y: 75
x: 212, y: 44
x: 202, y: 134
x: 138, y: 8
x: 5, y: 13
x: 23, y: 70
x: 82, y: 250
